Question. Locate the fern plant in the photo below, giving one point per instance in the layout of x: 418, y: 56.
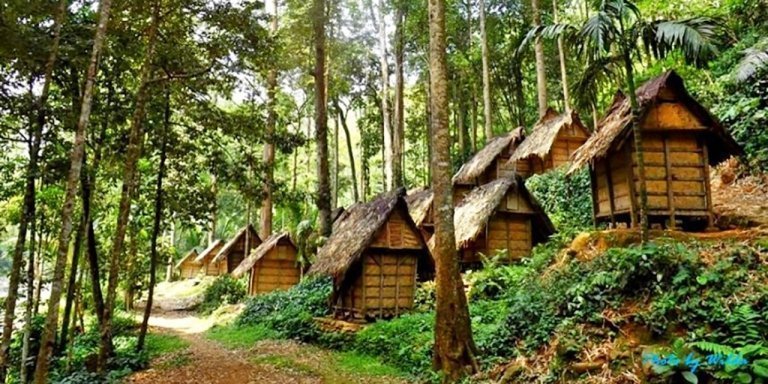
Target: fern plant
x: 745, y: 364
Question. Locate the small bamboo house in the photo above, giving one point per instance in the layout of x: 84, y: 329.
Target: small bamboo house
x: 490, y: 163
x: 499, y: 216
x: 205, y: 257
x: 375, y: 256
x: 554, y: 138
x: 233, y: 252
x: 187, y: 266
x: 272, y: 265
x: 681, y: 139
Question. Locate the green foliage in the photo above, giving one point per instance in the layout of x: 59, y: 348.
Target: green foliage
x: 405, y: 342
x: 289, y: 313
x: 567, y: 200
x: 243, y: 336
x: 424, y: 298
x: 491, y: 281
x: 224, y: 290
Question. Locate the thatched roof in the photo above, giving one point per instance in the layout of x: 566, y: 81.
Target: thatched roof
x: 354, y: 231
x: 211, y: 250
x: 259, y: 252
x: 472, y: 214
x: 190, y: 256
x: 540, y: 141
x: 475, y: 166
x: 615, y: 127
x: 227, y: 248
x: 419, y: 201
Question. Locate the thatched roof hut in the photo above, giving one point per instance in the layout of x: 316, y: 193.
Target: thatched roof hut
x: 490, y: 162
x: 205, y: 257
x: 272, y: 265
x: 187, y: 266
x: 374, y: 256
x: 231, y: 254
x: 554, y: 138
x: 498, y: 216
x: 681, y: 139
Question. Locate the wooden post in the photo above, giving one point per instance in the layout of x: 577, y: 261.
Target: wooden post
x: 364, y: 304
x: 707, y: 185
x: 631, y: 181
x: 381, y: 285
x: 670, y: 192
x: 595, y: 196
x: 609, y: 180
x: 397, y: 286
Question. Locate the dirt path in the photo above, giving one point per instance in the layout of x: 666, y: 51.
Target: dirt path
x: 272, y: 361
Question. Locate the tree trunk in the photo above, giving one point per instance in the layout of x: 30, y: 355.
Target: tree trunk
x: 388, y: 151
x: 73, y: 271
x: 335, y: 169
x: 28, y: 211
x: 74, y: 89
x: 638, y: 140
x: 214, y: 216
x: 130, y: 180
x: 398, y: 139
x: 488, y: 122
x: 76, y: 160
x: 541, y: 71
x: 343, y: 119
x: 563, y: 72
x: 30, y: 308
x: 454, y: 348
x: 265, y: 218
x: 519, y: 94
x: 156, y: 224
x: 321, y: 121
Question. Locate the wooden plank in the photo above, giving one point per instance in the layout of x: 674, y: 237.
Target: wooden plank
x: 670, y: 187
x: 707, y: 184
x: 609, y: 180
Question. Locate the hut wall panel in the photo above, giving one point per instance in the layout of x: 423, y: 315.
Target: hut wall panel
x: 390, y: 282
x: 670, y: 116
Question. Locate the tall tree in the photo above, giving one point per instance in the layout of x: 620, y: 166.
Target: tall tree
x: 563, y: 71
x: 454, y: 346
x: 76, y: 160
x: 398, y: 137
x: 28, y: 211
x: 265, y: 219
x: 157, y: 220
x: 130, y: 180
x: 488, y: 123
x: 541, y: 70
x: 321, y: 120
x: 381, y: 27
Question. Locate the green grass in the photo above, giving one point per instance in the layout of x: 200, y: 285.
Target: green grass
x: 236, y: 337
x: 354, y: 362
x: 161, y: 344
x: 285, y: 363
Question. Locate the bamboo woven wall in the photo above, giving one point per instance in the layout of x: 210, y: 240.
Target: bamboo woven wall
x: 278, y: 269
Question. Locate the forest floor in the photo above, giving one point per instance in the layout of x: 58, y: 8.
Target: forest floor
x: 267, y: 361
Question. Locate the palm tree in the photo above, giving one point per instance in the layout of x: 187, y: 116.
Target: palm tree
x: 616, y: 36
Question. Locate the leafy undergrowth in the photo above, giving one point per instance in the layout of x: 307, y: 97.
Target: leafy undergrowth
x: 78, y: 364
x: 581, y: 311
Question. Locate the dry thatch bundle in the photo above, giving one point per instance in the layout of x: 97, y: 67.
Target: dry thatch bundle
x: 259, y: 252
x: 229, y: 246
x: 419, y: 202
x: 539, y: 142
x: 472, y: 215
x: 352, y: 233
x: 475, y: 167
x: 615, y: 128
x: 207, y: 253
x: 190, y: 256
